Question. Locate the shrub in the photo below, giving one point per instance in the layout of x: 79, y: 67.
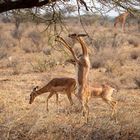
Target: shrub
x: 4, y: 42
x: 97, y: 63
x: 35, y: 37
x: 108, y: 58
x: 118, y: 40
x: 29, y: 47
x: 5, y: 19
x: 3, y: 54
x: 14, y: 64
x: 108, y: 40
x: 17, y: 34
x: 100, y: 41
x: 134, y: 55
x: 47, y: 51
x: 133, y: 41
x: 42, y: 65
x: 137, y: 81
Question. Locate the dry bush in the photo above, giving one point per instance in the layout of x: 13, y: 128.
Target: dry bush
x: 134, y: 55
x: 112, y: 65
x: 46, y: 51
x: 96, y: 64
x: 29, y: 49
x: 28, y: 46
x: 35, y: 37
x: 137, y: 81
x: 40, y: 66
x: 97, y: 61
x: 3, y: 53
x: 16, y: 33
x: 43, y: 65
x: 105, y: 21
x: 16, y: 70
x: 119, y: 40
x: 5, y: 42
x: 105, y: 39
x: 101, y: 41
x: 134, y: 41
x: 5, y: 19
x: 14, y: 64
x: 109, y: 58
x: 103, y: 56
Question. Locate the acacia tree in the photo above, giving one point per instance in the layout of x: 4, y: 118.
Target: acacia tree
x: 131, y: 5
x: 56, y: 8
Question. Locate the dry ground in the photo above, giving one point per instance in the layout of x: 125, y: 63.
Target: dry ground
x: 21, y: 121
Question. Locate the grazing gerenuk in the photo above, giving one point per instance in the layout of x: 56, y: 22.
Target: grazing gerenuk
x: 57, y: 85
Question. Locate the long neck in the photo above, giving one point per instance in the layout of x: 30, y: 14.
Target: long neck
x: 83, y: 45
x: 42, y: 90
x: 69, y: 48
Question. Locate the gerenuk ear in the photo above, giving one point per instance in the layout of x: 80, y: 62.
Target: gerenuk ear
x: 35, y: 88
x: 72, y: 35
x: 82, y: 35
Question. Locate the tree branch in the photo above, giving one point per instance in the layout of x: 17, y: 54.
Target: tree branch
x: 7, y: 5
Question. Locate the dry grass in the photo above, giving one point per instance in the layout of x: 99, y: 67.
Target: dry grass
x: 117, y: 64
x: 19, y: 120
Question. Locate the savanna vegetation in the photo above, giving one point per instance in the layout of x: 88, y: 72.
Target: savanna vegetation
x: 29, y: 56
